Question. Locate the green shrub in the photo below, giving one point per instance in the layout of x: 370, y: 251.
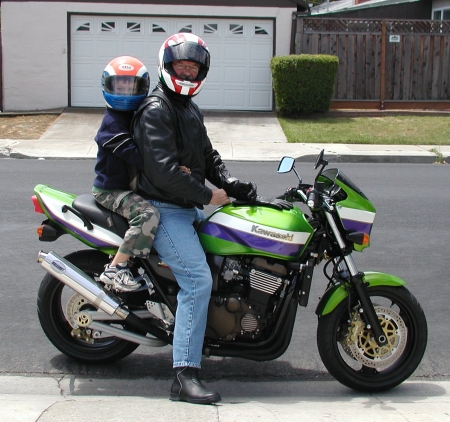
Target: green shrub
x: 303, y: 83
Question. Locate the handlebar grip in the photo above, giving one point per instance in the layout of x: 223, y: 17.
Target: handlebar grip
x: 311, y: 198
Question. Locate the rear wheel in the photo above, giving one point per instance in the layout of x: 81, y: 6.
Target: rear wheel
x: 350, y: 353
x: 58, y: 305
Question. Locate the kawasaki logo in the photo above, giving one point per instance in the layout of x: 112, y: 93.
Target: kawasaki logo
x: 288, y: 237
x: 58, y: 266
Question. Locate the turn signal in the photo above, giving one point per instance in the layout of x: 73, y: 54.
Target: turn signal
x: 40, y: 231
x: 47, y: 233
x: 359, y: 238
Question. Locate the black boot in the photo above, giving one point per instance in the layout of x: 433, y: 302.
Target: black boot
x: 187, y: 387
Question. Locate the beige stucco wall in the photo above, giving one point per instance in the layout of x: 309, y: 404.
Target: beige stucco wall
x: 35, y: 44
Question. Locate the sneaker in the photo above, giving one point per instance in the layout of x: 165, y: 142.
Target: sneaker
x: 120, y: 278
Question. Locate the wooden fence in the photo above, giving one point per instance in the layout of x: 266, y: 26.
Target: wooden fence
x: 383, y: 62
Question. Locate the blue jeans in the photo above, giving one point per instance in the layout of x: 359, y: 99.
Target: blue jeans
x: 178, y: 245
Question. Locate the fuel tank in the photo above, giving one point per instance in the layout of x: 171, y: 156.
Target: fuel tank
x: 256, y: 230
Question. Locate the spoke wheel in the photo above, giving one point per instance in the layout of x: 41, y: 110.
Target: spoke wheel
x: 350, y: 353
x: 58, y: 305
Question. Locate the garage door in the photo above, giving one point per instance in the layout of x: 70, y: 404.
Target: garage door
x: 239, y: 78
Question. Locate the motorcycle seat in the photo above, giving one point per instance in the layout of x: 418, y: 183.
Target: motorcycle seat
x: 100, y: 216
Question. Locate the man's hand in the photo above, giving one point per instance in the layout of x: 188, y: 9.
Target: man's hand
x: 245, y: 191
x: 219, y: 197
x: 184, y: 169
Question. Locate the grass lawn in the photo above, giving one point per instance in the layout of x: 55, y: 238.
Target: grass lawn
x: 387, y: 130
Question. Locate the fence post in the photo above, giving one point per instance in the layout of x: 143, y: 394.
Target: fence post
x: 383, y: 65
x: 299, y: 37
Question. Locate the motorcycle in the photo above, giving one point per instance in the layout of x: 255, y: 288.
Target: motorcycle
x: 371, y: 333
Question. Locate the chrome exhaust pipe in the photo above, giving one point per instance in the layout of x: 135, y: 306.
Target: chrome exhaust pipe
x: 126, y: 335
x: 77, y: 280
x: 93, y: 291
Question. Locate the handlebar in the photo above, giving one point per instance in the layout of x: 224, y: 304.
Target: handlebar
x: 309, y: 195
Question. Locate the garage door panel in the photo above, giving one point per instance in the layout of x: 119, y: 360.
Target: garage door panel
x: 235, y: 51
x: 211, y: 99
x: 259, y: 100
x: 260, y: 75
x: 107, y: 48
x: 83, y: 49
x: 85, y: 97
x: 240, y: 56
x: 235, y: 75
x: 216, y: 49
x: 260, y: 52
x: 133, y: 49
x: 215, y: 75
x: 84, y: 72
x: 234, y: 99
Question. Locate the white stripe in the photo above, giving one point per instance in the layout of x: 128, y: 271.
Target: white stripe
x: 226, y: 220
x: 356, y: 215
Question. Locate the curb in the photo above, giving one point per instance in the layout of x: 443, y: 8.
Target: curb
x: 310, y: 158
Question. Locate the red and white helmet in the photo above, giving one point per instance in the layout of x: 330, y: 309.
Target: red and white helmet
x: 183, y: 46
x: 125, y: 83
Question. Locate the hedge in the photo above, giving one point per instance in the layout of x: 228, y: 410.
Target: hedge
x: 303, y: 83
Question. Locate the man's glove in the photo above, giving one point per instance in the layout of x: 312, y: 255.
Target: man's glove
x: 244, y: 191
x: 279, y: 204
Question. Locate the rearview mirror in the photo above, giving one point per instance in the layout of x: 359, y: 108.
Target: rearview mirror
x: 286, y: 165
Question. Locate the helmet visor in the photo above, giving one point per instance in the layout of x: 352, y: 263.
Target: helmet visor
x: 126, y: 85
x: 189, y: 51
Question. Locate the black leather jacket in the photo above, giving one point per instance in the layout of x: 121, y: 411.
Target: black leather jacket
x: 165, y: 147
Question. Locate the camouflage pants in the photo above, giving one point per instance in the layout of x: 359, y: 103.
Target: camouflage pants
x: 142, y: 217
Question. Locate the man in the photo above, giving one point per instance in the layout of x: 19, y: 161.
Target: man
x: 169, y: 130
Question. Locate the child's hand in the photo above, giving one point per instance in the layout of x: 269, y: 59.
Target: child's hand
x: 185, y: 169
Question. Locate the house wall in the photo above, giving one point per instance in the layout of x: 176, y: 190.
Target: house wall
x: 416, y: 10
x: 440, y: 4
x: 35, y: 43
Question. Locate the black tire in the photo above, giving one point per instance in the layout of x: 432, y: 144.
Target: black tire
x: 360, y: 365
x: 51, y: 303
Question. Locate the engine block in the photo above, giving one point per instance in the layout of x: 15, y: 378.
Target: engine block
x: 241, y: 305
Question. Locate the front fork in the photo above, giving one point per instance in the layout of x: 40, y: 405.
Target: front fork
x: 356, y: 278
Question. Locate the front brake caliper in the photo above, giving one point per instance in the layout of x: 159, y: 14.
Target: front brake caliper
x: 355, y: 328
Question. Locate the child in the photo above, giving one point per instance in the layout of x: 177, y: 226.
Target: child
x: 125, y: 83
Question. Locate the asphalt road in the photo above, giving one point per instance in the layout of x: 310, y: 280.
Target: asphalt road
x: 410, y: 239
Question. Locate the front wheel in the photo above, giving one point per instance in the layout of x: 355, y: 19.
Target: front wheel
x: 350, y: 353
x: 58, y: 306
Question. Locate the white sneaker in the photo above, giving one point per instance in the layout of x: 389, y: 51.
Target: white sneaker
x: 120, y: 278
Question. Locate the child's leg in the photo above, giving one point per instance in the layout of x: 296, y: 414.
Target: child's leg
x: 143, y: 219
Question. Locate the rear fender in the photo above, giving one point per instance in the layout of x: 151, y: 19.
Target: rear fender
x: 54, y: 202
x: 335, y: 295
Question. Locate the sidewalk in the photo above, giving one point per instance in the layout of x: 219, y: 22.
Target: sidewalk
x: 238, y: 136
x: 78, y: 399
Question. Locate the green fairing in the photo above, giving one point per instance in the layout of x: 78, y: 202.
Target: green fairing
x: 244, y: 219
x: 66, y: 199
x: 335, y: 295
x: 355, y: 200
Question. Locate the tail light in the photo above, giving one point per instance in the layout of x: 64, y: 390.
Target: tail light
x: 37, y: 205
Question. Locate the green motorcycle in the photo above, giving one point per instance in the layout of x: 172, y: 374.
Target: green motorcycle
x: 371, y: 334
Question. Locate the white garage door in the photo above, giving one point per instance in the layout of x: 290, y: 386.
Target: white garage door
x: 239, y: 78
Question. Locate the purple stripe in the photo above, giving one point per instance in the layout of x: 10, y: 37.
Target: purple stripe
x: 356, y: 226
x: 84, y: 235
x: 251, y: 241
